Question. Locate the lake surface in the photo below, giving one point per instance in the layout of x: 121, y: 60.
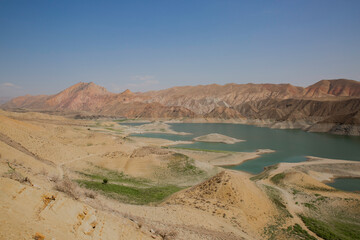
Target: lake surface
x: 346, y: 184
x: 290, y: 145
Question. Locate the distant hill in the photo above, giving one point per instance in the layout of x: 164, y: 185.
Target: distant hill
x: 338, y: 87
x: 322, y: 101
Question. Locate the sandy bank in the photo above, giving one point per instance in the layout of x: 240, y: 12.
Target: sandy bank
x: 324, y: 169
x: 217, y: 138
x: 154, y: 127
x: 222, y: 158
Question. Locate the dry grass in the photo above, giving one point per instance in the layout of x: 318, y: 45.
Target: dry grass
x: 13, y: 174
x: 68, y: 187
x: 72, y: 189
x: 166, y: 234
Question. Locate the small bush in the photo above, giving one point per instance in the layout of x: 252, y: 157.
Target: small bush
x: 105, y: 181
x: 277, y: 178
x: 90, y: 194
x: 69, y: 187
x: 310, y: 206
x: 298, y: 231
x: 166, y: 235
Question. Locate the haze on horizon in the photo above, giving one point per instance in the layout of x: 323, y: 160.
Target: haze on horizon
x: 46, y: 46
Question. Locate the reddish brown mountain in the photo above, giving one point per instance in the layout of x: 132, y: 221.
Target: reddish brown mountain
x: 203, y: 99
x: 338, y: 88
x: 325, y: 101
x: 224, y: 113
x: 27, y: 101
x: 81, y: 96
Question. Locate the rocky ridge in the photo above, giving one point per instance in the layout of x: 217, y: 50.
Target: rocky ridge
x: 334, y: 102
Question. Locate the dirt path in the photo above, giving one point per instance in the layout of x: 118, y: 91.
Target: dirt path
x: 24, y: 150
x: 60, y: 167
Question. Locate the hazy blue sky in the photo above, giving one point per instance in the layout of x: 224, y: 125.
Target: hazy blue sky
x: 46, y: 46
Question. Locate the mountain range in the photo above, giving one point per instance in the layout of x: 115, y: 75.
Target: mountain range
x: 326, y: 106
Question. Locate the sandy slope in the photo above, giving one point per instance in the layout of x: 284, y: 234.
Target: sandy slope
x: 38, y: 150
x: 27, y: 212
x: 232, y: 196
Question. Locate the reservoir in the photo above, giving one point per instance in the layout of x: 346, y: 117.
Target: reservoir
x: 346, y: 184
x: 290, y: 145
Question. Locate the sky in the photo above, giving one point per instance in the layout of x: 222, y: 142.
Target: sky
x: 47, y: 46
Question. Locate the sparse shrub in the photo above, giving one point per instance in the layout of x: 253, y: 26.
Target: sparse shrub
x: 90, y: 194
x: 69, y: 187
x: 54, y: 178
x: 19, y: 177
x: 15, y: 175
x: 277, y: 178
x: 301, y: 233
x: 166, y: 235
x: 13, y: 169
x: 105, y: 181
x: 295, y: 191
x: 310, y: 206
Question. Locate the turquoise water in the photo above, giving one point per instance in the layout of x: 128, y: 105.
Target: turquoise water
x: 346, y: 184
x: 290, y: 145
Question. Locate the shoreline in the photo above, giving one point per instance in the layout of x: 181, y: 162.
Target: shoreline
x: 221, y: 159
x: 310, y: 126
x: 226, y: 158
x: 339, y: 177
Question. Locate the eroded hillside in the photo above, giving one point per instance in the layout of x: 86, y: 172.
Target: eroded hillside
x: 275, y: 105
x: 73, y: 179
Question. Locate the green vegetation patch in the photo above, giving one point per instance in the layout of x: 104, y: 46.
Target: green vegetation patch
x: 332, y: 230
x: 277, y: 178
x: 125, y: 188
x: 310, y: 206
x: 131, y: 194
x: 183, y: 165
x: 99, y: 173
x: 321, y: 189
x: 275, y: 197
x: 264, y: 174
x: 297, y: 230
x: 295, y: 191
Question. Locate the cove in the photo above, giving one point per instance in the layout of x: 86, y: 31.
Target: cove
x: 346, y: 184
x: 290, y: 145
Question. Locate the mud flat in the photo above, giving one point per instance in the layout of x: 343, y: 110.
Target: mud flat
x: 217, y: 138
x: 325, y: 169
x: 154, y: 127
x: 221, y: 158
